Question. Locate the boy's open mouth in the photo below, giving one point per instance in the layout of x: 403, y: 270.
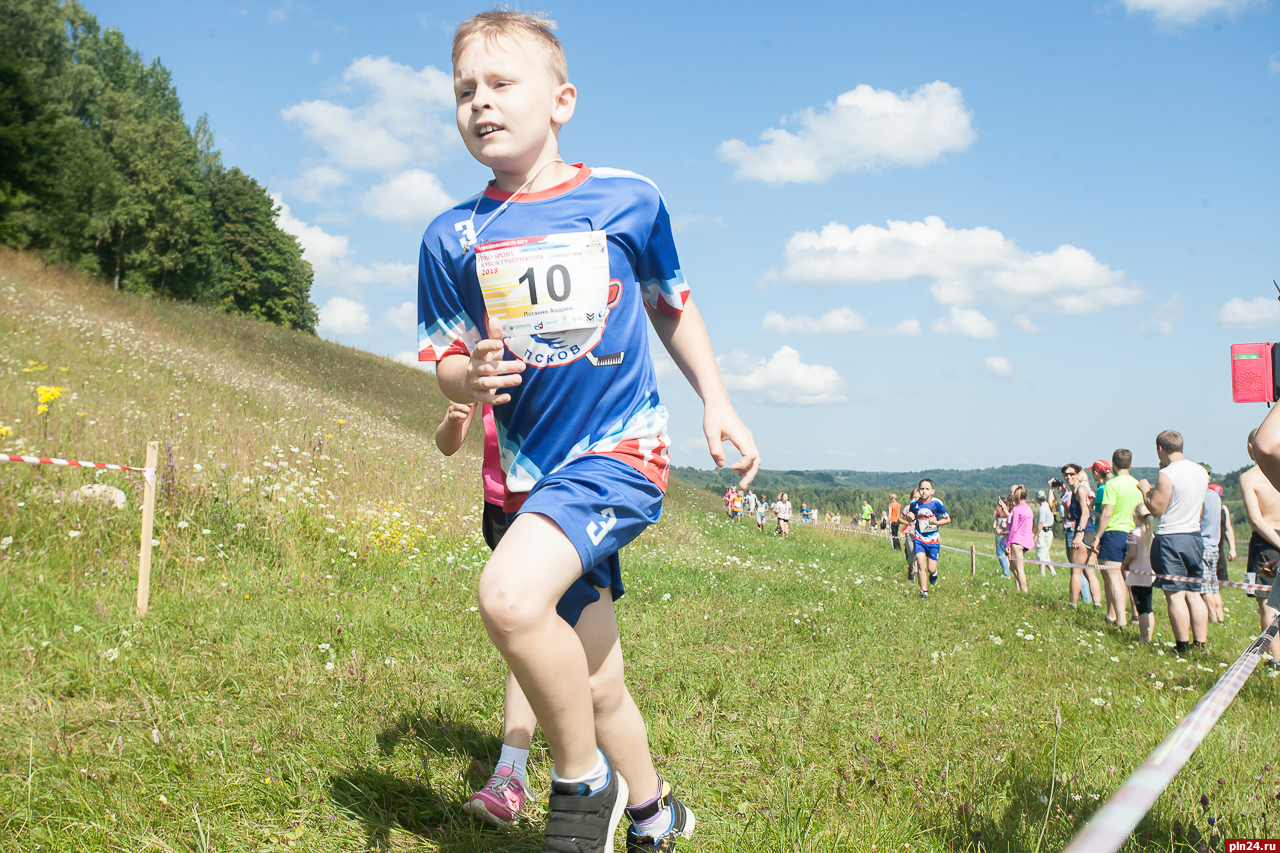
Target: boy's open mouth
x: 483, y: 130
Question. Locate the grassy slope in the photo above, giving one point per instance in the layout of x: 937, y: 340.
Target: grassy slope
x: 797, y: 694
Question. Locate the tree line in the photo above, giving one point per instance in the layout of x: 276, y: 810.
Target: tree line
x: 99, y: 170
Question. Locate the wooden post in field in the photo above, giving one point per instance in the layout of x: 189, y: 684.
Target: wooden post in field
x: 973, y: 561
x: 148, y: 519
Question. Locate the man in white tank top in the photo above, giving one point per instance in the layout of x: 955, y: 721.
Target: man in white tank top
x: 1178, y: 549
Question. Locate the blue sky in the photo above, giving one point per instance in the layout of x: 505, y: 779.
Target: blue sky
x: 923, y: 234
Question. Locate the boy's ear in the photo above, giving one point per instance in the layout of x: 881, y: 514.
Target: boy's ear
x: 565, y: 100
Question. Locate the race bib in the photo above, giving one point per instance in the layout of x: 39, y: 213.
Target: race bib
x: 539, y: 285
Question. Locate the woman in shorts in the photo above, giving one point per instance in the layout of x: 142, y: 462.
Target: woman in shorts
x: 1080, y: 508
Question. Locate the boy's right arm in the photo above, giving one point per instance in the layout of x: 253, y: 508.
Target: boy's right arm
x: 480, y: 377
x: 1253, y: 510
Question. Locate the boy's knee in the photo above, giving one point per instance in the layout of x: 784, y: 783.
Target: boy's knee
x: 607, y: 691
x: 505, y: 608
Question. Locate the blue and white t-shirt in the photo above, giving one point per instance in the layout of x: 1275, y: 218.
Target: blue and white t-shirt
x: 927, y: 514
x: 585, y: 390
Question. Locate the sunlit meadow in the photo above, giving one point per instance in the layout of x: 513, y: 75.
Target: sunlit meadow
x: 312, y: 674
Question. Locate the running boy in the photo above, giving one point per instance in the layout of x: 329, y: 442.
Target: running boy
x: 927, y: 514
x: 554, y: 267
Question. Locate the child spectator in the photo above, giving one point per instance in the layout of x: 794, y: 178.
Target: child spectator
x: 1044, y: 531
x: 502, y: 798
x: 583, y: 434
x: 1021, y: 535
x: 1000, y: 525
x: 1137, y: 565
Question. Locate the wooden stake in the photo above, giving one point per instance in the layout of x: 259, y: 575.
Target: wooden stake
x: 973, y: 561
x: 148, y: 519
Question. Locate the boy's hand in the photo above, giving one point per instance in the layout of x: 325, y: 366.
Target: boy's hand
x: 720, y: 424
x: 488, y: 373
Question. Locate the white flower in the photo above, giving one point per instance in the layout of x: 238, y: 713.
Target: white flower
x: 472, y: 609
x: 666, y: 596
x: 997, y: 640
x: 201, y: 560
x: 1043, y: 798
x: 329, y: 665
x: 1098, y: 700
x: 248, y: 481
x: 206, y: 531
x: 324, y: 647
x: 164, y: 799
x: 72, y: 534
x: 155, y: 735
x: 76, y: 629
x: 197, y: 467
x: 1158, y: 685
x: 6, y: 542
x: 183, y: 525
x: 1115, y: 660
x: 111, y: 654
x: 155, y: 543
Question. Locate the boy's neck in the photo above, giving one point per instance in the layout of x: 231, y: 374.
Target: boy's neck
x: 546, y: 173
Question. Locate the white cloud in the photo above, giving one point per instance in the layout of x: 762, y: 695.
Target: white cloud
x: 837, y: 321
x: 412, y: 197
x: 969, y: 322
x: 963, y: 264
x: 1024, y: 323
x: 314, y: 183
x: 1177, y: 12
x: 327, y: 253
x: 1258, y: 313
x: 411, y: 359
x: 1163, y: 318
x: 403, y: 318
x: 999, y: 365
x: 1273, y: 63
x: 783, y: 380
x: 864, y: 128
x: 399, y: 122
x: 682, y: 222
x: 341, y: 316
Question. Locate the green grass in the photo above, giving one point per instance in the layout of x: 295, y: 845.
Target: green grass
x: 797, y: 693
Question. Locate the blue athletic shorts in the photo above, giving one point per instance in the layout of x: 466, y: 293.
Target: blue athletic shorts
x: 1113, y: 546
x: 601, y: 504
x: 930, y: 548
x: 1178, y: 554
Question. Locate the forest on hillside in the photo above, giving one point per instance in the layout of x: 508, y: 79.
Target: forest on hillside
x: 99, y: 170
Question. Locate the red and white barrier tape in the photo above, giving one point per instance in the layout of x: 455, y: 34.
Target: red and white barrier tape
x: 149, y: 473
x: 1206, y: 581
x: 1111, y: 825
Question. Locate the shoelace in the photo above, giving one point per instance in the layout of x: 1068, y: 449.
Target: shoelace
x: 499, y: 785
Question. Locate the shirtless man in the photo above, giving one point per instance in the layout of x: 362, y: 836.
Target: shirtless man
x: 1262, y: 505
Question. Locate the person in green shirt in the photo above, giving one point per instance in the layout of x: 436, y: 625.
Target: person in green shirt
x: 867, y: 513
x: 1120, y: 497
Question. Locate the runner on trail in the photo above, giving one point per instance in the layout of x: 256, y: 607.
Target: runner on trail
x: 782, y: 512
x: 583, y: 432
x: 927, y: 514
x: 762, y: 506
x: 502, y: 798
x: 867, y: 513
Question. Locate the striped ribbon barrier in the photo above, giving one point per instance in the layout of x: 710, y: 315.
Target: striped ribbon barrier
x: 150, y: 473
x: 1206, y: 581
x: 1111, y: 825
x: 148, y: 506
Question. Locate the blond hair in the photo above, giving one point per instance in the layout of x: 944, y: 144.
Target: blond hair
x: 532, y: 29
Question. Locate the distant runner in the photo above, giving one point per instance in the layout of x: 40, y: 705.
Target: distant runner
x: 927, y: 515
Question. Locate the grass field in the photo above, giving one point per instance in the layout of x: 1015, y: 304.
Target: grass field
x: 313, y: 676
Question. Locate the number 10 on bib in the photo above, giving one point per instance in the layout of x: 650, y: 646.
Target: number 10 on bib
x: 540, y: 285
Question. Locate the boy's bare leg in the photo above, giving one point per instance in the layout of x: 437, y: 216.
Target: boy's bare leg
x: 1199, y: 617
x: 1073, y: 587
x: 620, y: 729
x: 1095, y: 588
x: 922, y: 570
x: 518, y: 718
x: 532, y: 567
x: 1117, y: 594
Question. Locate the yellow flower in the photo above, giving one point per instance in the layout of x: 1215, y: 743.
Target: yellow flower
x: 341, y: 421
x: 48, y: 393
x: 64, y: 369
x: 42, y: 408
x: 4, y: 430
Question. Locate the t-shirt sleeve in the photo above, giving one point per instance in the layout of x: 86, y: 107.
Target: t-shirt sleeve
x: 1109, y: 493
x: 941, y: 510
x: 658, y: 267
x: 444, y: 326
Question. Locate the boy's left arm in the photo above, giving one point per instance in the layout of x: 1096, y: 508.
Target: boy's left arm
x: 685, y: 337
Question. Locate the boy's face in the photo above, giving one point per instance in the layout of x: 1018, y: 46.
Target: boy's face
x: 926, y: 492
x: 509, y: 106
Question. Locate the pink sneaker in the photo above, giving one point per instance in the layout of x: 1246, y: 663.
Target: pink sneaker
x: 500, y: 801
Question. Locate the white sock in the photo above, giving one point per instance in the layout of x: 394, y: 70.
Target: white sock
x: 595, y: 780
x: 516, y: 759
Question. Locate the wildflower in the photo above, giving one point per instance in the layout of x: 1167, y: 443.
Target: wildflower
x: 111, y: 654
x: 324, y: 647
x: 341, y: 421
x: 1158, y: 685
x: 6, y: 542
x: 1115, y: 660
x: 72, y: 534
x: 4, y: 430
x: 183, y: 525
x: 1098, y: 700
x: 155, y: 735
x: 76, y: 629
x: 329, y: 665
x: 206, y: 531
x: 197, y: 467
